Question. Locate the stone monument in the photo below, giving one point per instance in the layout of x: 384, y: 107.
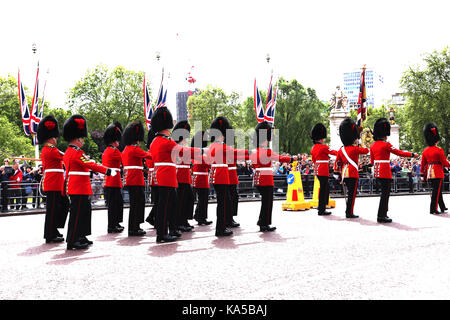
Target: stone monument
x: 339, y: 112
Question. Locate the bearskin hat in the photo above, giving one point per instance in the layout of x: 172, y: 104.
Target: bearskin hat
x: 132, y: 133
x: 220, y: 123
x: 199, y: 140
x: 263, y: 132
x: 112, y: 133
x: 318, y: 132
x: 47, y: 128
x: 381, y: 129
x: 348, y: 132
x: 162, y: 119
x: 75, y: 127
x: 150, y: 137
x: 184, y: 129
x: 431, y: 133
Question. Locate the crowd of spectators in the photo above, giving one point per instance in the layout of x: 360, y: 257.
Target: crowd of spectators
x: 19, y: 184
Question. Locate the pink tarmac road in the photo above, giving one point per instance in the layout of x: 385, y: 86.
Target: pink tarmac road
x: 307, y: 257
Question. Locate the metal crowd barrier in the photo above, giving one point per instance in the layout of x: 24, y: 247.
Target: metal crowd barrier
x: 28, y: 196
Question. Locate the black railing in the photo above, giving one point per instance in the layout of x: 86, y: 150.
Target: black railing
x: 28, y: 196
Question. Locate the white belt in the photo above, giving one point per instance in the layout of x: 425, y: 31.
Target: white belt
x: 78, y: 173
x: 54, y: 170
x: 219, y: 165
x: 165, y: 164
x: 266, y: 168
x: 322, y: 161
x: 183, y: 166
x: 151, y: 169
x: 200, y: 173
x: 382, y: 161
x: 231, y: 168
x: 134, y: 167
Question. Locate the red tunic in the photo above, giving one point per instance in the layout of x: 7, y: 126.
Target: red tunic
x: 200, y: 173
x: 112, y: 158
x: 232, y: 167
x: 320, y: 156
x: 165, y: 151
x: 184, y: 171
x: 348, y: 169
x: 52, y: 161
x: 262, y: 162
x: 16, y: 179
x: 133, y: 166
x: 220, y: 155
x: 77, y: 165
x: 380, y: 153
x: 433, y: 163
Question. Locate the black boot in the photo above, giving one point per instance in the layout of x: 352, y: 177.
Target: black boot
x: 384, y: 219
x: 165, y: 238
x: 233, y: 224
x: 224, y: 233
x: 54, y: 240
x: 267, y: 228
x: 325, y: 213
x: 77, y: 245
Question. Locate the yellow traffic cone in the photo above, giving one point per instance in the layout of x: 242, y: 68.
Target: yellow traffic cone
x: 295, y: 198
x: 314, y: 203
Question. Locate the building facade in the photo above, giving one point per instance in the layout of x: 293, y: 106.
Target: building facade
x: 182, y: 109
x: 374, y: 88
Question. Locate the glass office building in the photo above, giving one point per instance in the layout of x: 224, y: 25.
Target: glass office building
x: 374, y: 88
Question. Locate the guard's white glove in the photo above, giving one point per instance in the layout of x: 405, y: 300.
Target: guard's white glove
x: 113, y: 172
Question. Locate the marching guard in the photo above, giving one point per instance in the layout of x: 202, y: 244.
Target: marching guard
x: 133, y: 165
x: 77, y: 182
x: 320, y: 154
x: 263, y: 178
x: 164, y: 150
x: 432, y: 166
x: 219, y: 154
x: 380, y: 152
x: 57, y: 205
x: 185, y: 204
x: 112, y: 158
x: 200, y: 181
x: 347, y: 161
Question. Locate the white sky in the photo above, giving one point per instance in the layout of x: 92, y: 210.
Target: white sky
x: 226, y: 41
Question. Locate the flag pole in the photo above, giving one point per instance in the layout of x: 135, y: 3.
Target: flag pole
x: 33, y: 136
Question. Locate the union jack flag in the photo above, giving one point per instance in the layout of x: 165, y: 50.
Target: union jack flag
x: 147, y: 107
x: 271, y: 104
x: 161, y: 99
x: 258, y: 104
x: 34, y: 119
x: 24, y: 110
x: 362, y: 110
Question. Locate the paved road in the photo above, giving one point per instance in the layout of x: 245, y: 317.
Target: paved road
x: 308, y: 257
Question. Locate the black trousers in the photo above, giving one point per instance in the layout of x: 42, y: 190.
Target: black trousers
x: 5, y: 196
x: 436, y: 196
x: 154, y: 201
x: 201, y: 211
x: 56, y: 210
x: 166, y: 207
x: 351, y: 184
x: 185, y: 204
x: 114, y: 201
x: 265, y: 214
x: 234, y: 199
x: 79, y: 218
x: 36, y: 198
x: 223, y: 211
x: 324, y: 193
x: 137, y: 207
x: 383, y: 207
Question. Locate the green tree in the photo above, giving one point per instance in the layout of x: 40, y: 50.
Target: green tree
x: 104, y: 96
x: 13, y: 141
x: 427, y: 90
x: 9, y: 100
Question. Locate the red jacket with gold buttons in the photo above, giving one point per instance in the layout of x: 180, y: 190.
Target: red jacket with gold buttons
x: 52, y: 161
x: 77, y: 165
x: 262, y: 162
x: 433, y: 163
x: 200, y: 173
x: 220, y: 156
x: 380, y: 154
x: 133, y: 165
x: 320, y: 156
x: 353, y: 152
x: 112, y: 158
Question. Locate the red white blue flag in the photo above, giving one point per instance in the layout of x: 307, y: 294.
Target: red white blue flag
x: 362, y: 110
x: 271, y: 104
x: 161, y: 98
x: 24, y: 110
x: 147, y: 107
x: 34, y: 119
x: 258, y: 104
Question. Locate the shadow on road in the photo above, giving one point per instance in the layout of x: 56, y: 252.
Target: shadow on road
x: 45, y: 247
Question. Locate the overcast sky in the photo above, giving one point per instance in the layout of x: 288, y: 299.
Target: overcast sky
x: 226, y: 41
